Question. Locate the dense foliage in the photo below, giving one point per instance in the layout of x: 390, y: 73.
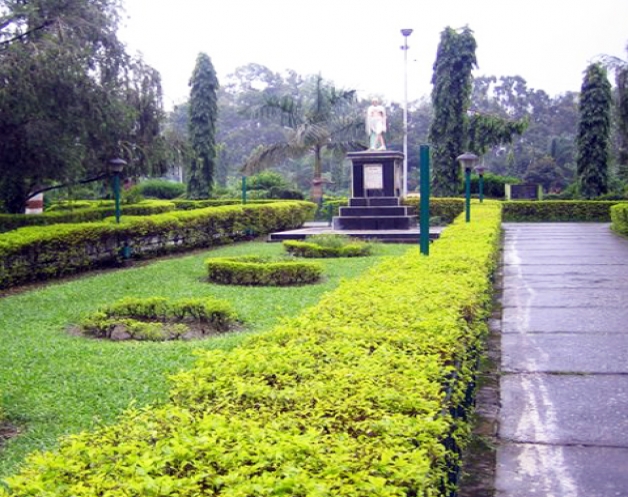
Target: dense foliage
x: 451, y: 98
x: 321, y: 118
x: 203, y: 111
x: 364, y: 394
x: 594, y: 132
x: 71, y: 98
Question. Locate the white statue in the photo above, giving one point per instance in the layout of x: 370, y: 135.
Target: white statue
x: 376, y: 125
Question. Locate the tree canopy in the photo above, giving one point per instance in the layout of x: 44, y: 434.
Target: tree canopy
x: 320, y: 118
x: 71, y: 98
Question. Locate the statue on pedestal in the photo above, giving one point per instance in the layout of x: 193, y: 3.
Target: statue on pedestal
x: 376, y: 125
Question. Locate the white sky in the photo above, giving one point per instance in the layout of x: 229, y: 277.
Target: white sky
x: 356, y: 44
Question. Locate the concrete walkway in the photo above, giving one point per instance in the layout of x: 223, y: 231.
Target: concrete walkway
x: 563, y: 424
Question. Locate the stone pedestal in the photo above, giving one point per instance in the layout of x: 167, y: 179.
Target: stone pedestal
x: 376, y: 183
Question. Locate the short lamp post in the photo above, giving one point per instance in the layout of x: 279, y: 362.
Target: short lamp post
x: 480, y: 170
x: 115, y: 167
x: 467, y: 161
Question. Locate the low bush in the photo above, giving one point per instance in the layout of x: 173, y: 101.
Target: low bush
x: 322, y: 246
x: 252, y: 270
x: 160, y: 188
x: 364, y: 394
x: 558, y: 211
x: 619, y: 218
x: 443, y: 208
x: 159, y: 319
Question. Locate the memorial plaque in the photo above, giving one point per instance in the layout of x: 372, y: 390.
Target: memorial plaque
x: 373, y: 177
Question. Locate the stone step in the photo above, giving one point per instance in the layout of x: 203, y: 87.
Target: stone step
x: 374, y: 201
x: 373, y: 223
x: 384, y: 211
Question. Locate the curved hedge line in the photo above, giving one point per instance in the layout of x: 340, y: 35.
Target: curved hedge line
x: 558, y: 210
x: 10, y: 222
x: 363, y: 394
x: 36, y: 253
x: 158, y: 319
x: 253, y: 270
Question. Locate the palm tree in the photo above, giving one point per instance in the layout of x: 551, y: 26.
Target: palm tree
x: 324, y: 119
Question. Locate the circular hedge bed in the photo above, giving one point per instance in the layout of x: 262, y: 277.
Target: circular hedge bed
x: 258, y: 271
x: 322, y: 246
x: 158, y: 319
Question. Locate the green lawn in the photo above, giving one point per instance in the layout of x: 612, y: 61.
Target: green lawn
x: 53, y: 383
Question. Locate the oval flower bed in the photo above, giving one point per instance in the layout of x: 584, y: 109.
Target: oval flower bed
x: 321, y: 246
x: 254, y: 270
x: 159, y: 319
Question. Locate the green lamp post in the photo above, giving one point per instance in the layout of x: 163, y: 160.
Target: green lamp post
x: 115, y: 167
x: 480, y: 171
x: 467, y: 161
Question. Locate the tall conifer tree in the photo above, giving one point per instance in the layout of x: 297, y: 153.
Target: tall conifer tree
x: 593, y: 132
x: 202, y: 127
x: 451, y: 97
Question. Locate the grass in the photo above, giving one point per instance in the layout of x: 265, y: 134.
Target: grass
x: 53, y: 383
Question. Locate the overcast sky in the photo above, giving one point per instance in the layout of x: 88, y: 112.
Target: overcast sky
x: 356, y: 44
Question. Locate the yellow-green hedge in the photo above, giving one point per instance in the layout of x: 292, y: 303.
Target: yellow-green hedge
x: 558, y: 210
x: 619, y: 219
x: 362, y: 395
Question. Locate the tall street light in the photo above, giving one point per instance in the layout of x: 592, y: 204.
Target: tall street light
x: 467, y: 161
x: 404, y: 47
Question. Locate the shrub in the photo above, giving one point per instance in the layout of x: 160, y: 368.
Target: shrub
x: 46, y: 252
x: 446, y: 209
x: 162, y: 189
x: 327, y: 245
x: 252, y: 270
x: 558, y: 211
x: 619, y: 218
x: 364, y: 394
x: 159, y: 319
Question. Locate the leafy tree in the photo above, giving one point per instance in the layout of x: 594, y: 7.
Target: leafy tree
x: 451, y: 97
x: 594, y: 132
x: 70, y: 98
x: 202, y: 127
x: 322, y: 119
x: 620, y: 68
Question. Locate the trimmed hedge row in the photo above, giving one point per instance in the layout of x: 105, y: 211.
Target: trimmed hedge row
x: 315, y: 250
x: 257, y: 271
x: 186, y: 205
x: 36, y: 253
x: 447, y: 209
x: 558, y: 211
x: 9, y: 222
x: 363, y: 394
x: 619, y: 219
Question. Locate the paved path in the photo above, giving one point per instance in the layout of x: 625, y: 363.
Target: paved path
x: 563, y: 425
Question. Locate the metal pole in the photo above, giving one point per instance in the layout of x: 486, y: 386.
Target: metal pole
x: 116, y: 193
x: 481, y: 188
x: 244, y: 189
x: 406, y: 33
x: 467, y: 193
x: 424, y: 217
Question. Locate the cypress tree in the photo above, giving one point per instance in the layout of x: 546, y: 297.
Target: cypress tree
x: 203, y: 110
x: 594, y: 132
